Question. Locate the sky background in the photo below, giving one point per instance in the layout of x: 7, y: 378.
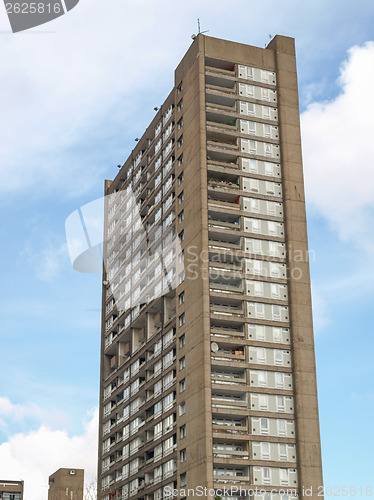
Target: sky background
x: 74, y: 95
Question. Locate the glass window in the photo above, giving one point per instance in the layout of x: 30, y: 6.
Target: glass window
x: 259, y: 310
x: 263, y: 402
x: 265, y: 451
x: 281, y: 426
x: 276, y: 312
x: 255, y: 205
x: 261, y: 355
x: 264, y: 426
x: 279, y: 380
x: 260, y: 332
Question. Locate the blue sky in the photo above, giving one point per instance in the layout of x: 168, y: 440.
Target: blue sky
x: 72, y: 102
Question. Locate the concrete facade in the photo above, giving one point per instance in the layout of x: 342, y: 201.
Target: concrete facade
x: 11, y: 490
x: 213, y: 383
x: 66, y: 484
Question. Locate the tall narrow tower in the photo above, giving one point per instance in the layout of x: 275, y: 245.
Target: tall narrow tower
x: 208, y: 368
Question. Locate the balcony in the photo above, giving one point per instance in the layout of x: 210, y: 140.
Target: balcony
x: 222, y: 121
x: 224, y: 375
x: 230, y: 429
x: 229, y: 450
x: 222, y: 269
x: 219, y: 83
x: 226, y: 142
x: 222, y: 180
x: 220, y: 197
x: 225, y: 103
x: 224, y: 398
x: 227, y: 304
x: 221, y: 329
x: 226, y: 352
x: 228, y: 284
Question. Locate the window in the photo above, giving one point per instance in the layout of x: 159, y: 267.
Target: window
x: 268, y: 149
x: 253, y: 166
x: 180, y: 105
x: 180, y: 160
x: 259, y: 288
x: 272, y: 248
x: 276, y: 312
x: 265, y: 451
x: 263, y: 402
x: 157, y: 430
x: 266, y: 112
x: 182, y: 408
x: 179, y: 88
x: 180, y: 178
x: 262, y: 378
x: 280, y: 403
x: 250, y: 108
x: 265, y: 94
x: 259, y: 310
x: 255, y: 205
x: 182, y: 319
x: 278, y: 357
x: 252, y: 147
x: 269, y: 169
x: 181, y: 298
x: 274, y: 288
x: 181, y: 197
x: 260, y: 332
x: 270, y: 188
x: 272, y: 228
x: 279, y: 380
x: 181, y: 278
x: 253, y: 185
x: 256, y: 228
x: 182, y: 385
x: 270, y: 205
x: 261, y: 355
x: 180, y: 141
x: 168, y: 401
x: 257, y: 267
x: 180, y: 124
x: 183, y: 455
x: 182, y: 363
x: 283, y: 477
x: 281, y: 426
x: 181, y: 216
x: 264, y: 76
x: 277, y: 335
x: 181, y: 236
x: 257, y: 246
x: 181, y: 257
x: 266, y: 475
x: 182, y: 431
x: 183, y: 479
x: 264, y: 426
x: 282, y: 451
x: 182, y: 341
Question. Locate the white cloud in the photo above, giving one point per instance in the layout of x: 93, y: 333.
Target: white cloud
x: 46, y: 254
x: 338, y: 150
x: 34, y: 456
x: 66, y: 93
x: 17, y: 411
